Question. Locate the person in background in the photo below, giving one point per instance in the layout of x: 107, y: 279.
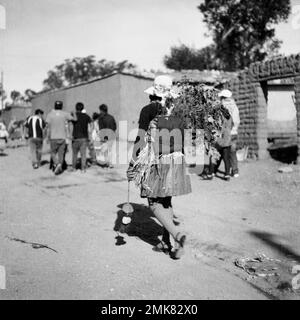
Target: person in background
x: 3, y: 134
x: 95, y: 132
x: 91, y: 147
x: 35, y: 127
x: 223, y: 145
x: 57, y: 133
x: 107, y: 124
x: 12, y: 126
x: 81, y: 131
x: 229, y: 103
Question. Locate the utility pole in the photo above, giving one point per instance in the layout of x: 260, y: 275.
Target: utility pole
x: 2, y: 27
x: 2, y: 90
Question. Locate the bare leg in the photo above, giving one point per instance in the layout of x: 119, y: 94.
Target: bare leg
x: 165, y: 217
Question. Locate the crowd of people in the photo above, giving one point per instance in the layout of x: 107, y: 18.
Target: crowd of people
x: 78, y: 130
x: 159, y: 169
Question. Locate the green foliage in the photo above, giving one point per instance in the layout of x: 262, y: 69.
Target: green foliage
x: 185, y: 58
x: 21, y: 99
x: 243, y: 30
x: 76, y: 70
x: 29, y: 94
x: 200, y: 107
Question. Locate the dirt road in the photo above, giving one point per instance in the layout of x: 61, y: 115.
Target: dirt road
x: 59, y: 239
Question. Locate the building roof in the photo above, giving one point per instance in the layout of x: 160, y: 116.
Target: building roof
x: 140, y: 76
x: 206, y: 76
x: 13, y: 105
x: 284, y: 81
x: 195, y: 76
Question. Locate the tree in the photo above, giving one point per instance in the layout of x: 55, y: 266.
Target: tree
x: 15, y: 95
x: 73, y: 71
x: 184, y: 57
x: 22, y: 99
x: 29, y: 95
x: 243, y: 30
x: 2, y: 92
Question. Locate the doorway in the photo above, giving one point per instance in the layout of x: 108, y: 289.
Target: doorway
x: 282, y: 120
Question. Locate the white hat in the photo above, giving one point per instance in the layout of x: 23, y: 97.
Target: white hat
x: 162, y: 87
x: 225, y: 93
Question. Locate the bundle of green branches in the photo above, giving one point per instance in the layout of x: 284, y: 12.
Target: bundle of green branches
x: 200, y: 108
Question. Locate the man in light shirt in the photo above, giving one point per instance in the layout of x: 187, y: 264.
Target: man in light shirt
x: 229, y: 103
x: 57, y: 121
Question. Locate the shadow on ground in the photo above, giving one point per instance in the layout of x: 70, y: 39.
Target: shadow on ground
x: 196, y: 169
x: 44, y: 162
x: 270, y: 240
x: 142, y: 225
x: 284, y: 154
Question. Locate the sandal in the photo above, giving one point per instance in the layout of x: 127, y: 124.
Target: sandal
x: 162, y: 247
x: 180, y: 240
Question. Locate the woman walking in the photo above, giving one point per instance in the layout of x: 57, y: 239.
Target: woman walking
x: 158, y: 165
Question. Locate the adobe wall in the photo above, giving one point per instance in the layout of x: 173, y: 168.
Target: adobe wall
x: 297, y: 99
x: 249, y: 92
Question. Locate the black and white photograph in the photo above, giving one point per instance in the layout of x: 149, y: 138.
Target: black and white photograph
x: 149, y: 151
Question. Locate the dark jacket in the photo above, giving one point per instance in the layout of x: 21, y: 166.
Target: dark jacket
x: 170, y: 135
x: 107, y: 121
x: 35, y: 126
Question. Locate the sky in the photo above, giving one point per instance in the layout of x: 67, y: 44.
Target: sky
x: 43, y: 33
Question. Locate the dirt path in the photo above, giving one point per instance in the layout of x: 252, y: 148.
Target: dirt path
x: 58, y: 238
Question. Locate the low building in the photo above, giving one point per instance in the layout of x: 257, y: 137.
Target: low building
x: 17, y: 112
x: 123, y: 93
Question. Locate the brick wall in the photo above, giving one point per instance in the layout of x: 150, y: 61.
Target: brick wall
x: 253, y: 114
x: 250, y: 90
x: 297, y: 97
x: 251, y: 101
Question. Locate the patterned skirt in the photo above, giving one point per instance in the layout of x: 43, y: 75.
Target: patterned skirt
x: 167, y: 178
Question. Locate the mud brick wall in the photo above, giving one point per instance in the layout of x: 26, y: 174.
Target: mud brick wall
x: 297, y: 98
x: 250, y: 90
x: 252, y: 106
